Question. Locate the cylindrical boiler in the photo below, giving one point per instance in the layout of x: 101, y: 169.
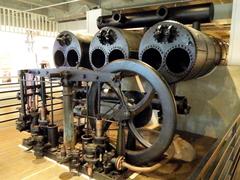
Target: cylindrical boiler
x: 71, y: 50
x: 111, y: 43
x: 179, y: 52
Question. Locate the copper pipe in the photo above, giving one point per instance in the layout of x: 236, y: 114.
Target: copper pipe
x: 143, y: 169
x: 90, y: 169
x: 99, y: 128
x: 120, y: 164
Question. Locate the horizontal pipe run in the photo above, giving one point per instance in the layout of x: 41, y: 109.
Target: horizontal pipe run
x: 8, y: 84
x: 120, y: 163
x: 6, y: 99
x: 13, y: 119
x: 185, y: 14
x: 141, y: 169
x: 7, y: 120
x: 12, y: 112
x: 9, y: 105
x: 14, y: 90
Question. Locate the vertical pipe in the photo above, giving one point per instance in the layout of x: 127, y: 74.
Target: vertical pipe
x: 120, y: 140
x: 51, y: 91
x: 196, y: 25
x: 45, y: 21
x: 21, y: 81
x: 28, y: 21
x: 8, y: 19
x: 17, y: 21
x: 0, y: 18
x: 25, y: 20
x: 68, y: 125
x: 43, y: 87
x: 13, y: 21
x: 4, y: 18
x: 21, y: 21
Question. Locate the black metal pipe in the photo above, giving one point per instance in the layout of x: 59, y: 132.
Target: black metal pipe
x: 43, y: 90
x: 9, y: 105
x: 202, y: 13
x: 179, y: 52
x: 13, y: 119
x: 21, y: 77
x: 111, y: 43
x: 10, y: 98
x: 9, y: 91
x: 6, y: 113
x: 53, y: 135
x: 8, y: 84
x: 71, y: 50
x: 7, y: 120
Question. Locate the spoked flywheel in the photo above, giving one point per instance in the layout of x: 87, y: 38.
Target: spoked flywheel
x: 140, y: 121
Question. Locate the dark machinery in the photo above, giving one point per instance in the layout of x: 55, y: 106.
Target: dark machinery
x: 107, y: 127
x: 179, y: 52
x: 71, y: 50
x: 106, y: 137
x: 112, y: 43
x: 202, y: 13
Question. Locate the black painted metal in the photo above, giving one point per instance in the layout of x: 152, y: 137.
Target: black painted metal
x: 185, y: 14
x: 179, y: 52
x: 112, y: 43
x: 71, y: 50
x: 53, y: 135
x: 153, y: 151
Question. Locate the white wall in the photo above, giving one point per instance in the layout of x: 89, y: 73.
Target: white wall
x: 19, y: 51
x: 80, y: 26
x: 234, y: 43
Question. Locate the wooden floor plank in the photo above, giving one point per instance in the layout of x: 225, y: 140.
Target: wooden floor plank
x: 15, y: 163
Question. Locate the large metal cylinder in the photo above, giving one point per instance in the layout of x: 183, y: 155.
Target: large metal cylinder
x: 71, y: 50
x: 179, y: 52
x: 184, y: 14
x: 112, y: 43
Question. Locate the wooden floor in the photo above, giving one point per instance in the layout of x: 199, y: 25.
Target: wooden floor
x: 15, y: 163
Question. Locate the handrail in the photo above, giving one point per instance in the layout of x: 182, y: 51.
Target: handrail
x: 213, y: 163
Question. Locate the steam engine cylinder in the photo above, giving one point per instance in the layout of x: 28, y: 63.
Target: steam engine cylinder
x: 111, y: 43
x: 71, y: 50
x: 179, y: 52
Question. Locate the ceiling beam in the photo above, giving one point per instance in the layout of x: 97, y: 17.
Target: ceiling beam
x: 53, y: 5
x: 42, y: 4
